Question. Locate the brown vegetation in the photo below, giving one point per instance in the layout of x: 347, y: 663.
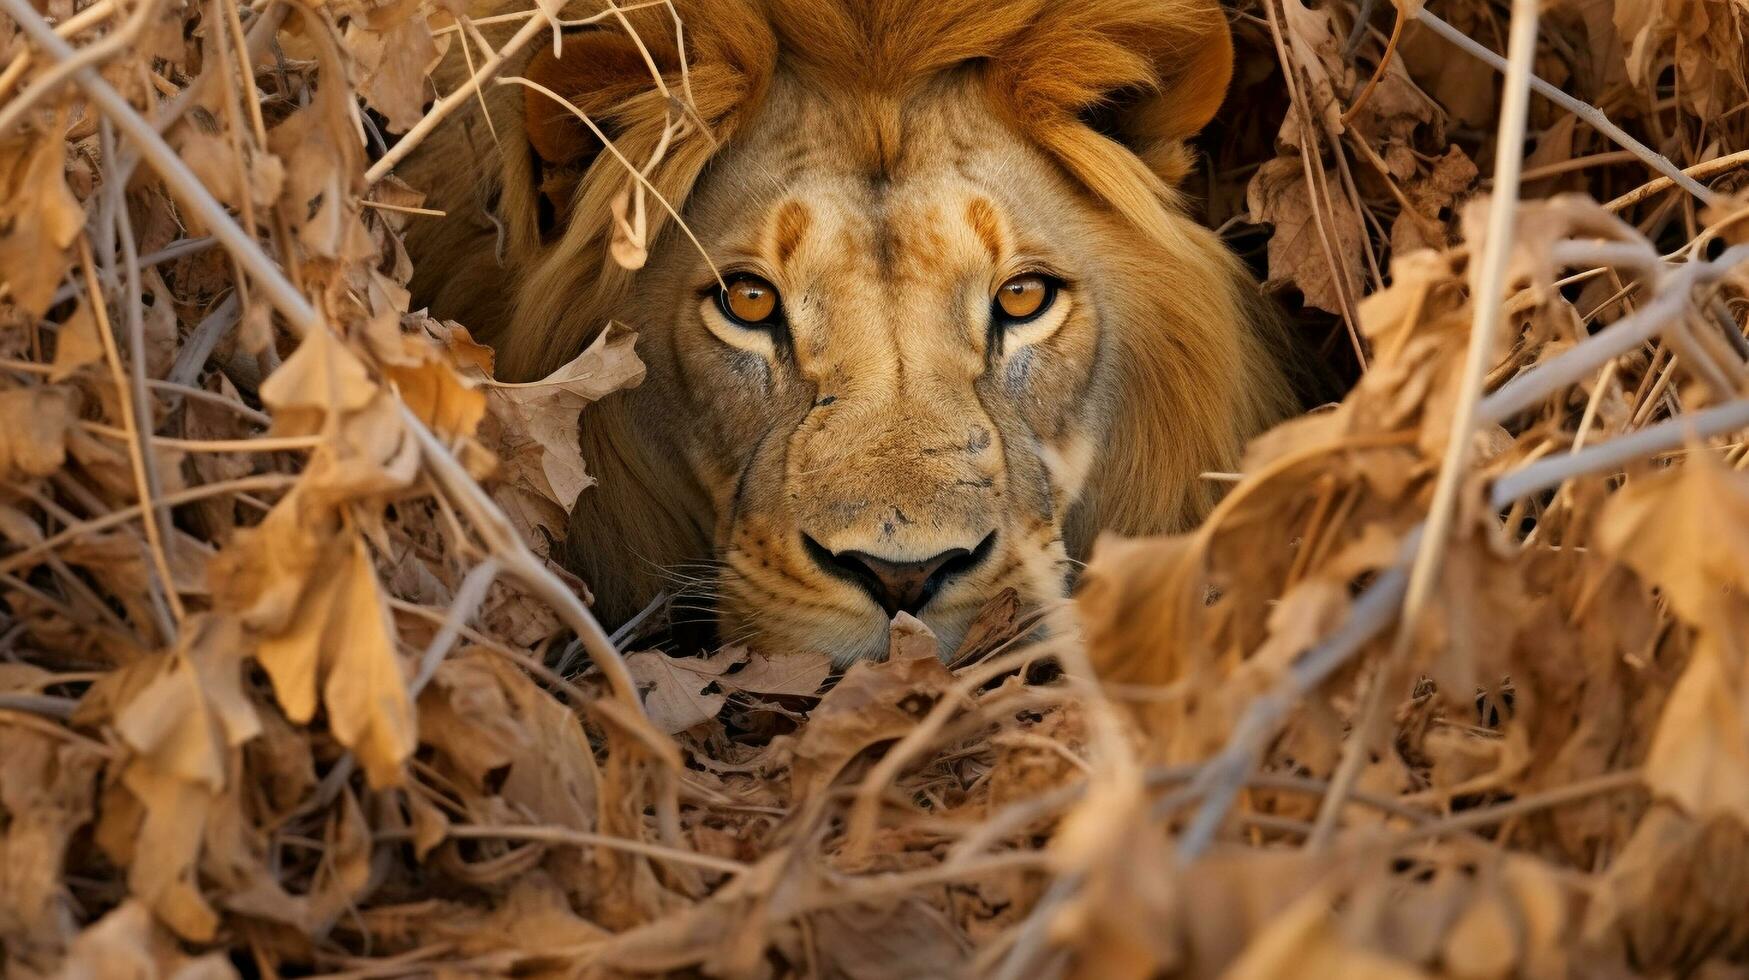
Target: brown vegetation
x: 1452, y: 682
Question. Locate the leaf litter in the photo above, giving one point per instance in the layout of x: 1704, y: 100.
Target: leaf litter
x: 278, y: 631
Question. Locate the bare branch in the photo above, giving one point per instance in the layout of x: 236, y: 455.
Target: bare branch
x: 1592, y: 115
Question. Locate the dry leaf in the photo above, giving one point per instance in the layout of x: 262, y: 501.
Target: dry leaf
x: 33, y: 431
x: 1699, y: 756
x: 798, y: 675
x: 1685, y: 530
x: 449, y: 403
x: 341, y: 640
x: 188, y: 719
x: 39, y: 219
x: 680, y: 692
x: 537, y: 430
x: 874, y: 703
x: 394, y: 65
x: 1279, y: 196
x: 47, y: 792
x: 322, y: 377
x: 909, y: 939
x: 127, y: 945
x: 1304, y: 941
x: 77, y: 343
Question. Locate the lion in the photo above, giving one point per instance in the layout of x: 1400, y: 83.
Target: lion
x: 935, y: 312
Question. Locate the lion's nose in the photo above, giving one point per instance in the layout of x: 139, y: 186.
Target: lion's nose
x: 900, y: 586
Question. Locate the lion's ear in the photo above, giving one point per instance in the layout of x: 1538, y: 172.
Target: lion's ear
x: 598, y: 70
x: 1191, y: 91
x: 1145, y: 74
x: 1191, y: 65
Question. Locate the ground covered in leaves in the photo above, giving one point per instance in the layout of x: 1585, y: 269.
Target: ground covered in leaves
x: 1454, y: 682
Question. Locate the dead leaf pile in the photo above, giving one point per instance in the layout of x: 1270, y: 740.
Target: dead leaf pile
x: 291, y: 684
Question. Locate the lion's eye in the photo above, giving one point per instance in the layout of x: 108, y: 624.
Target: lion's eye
x: 749, y: 301
x: 1024, y: 297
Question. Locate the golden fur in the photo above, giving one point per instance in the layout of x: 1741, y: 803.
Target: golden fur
x: 886, y: 163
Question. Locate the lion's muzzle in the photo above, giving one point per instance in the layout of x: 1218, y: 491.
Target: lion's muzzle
x: 900, y: 585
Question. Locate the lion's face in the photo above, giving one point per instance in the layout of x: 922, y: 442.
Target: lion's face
x: 894, y: 402
x: 962, y: 321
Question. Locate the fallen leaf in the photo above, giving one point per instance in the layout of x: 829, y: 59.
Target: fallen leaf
x: 48, y: 789
x: 1482, y: 943
x: 126, y: 944
x: 906, y: 939
x: 77, y: 343
x: 322, y: 377
x: 995, y: 624
x: 342, y: 640
x: 394, y: 65
x: 449, y: 403
x: 33, y: 431
x: 39, y: 219
x: 798, y: 675
x: 1279, y: 195
x: 195, y: 711
x: 1686, y: 530
x: 536, y: 435
x: 1699, y: 756
x: 257, y: 178
x: 681, y: 692
x: 1305, y: 941
x: 874, y: 703
x: 1316, y: 43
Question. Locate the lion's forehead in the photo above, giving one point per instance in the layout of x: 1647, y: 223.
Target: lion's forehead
x: 920, y: 234
x: 939, y: 185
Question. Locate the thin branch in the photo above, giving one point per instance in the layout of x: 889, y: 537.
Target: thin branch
x: 865, y: 812
x: 1332, y: 259
x: 405, y: 209
x: 1219, y: 782
x: 1467, y: 820
x: 85, y: 58
x: 579, y: 838
x: 451, y: 102
x: 1592, y: 115
x: 1700, y: 171
x: 303, y: 317
x: 261, y: 444
x: 46, y: 705
x: 505, y: 545
x: 84, y: 19
x: 261, y: 481
x: 182, y: 183
x: 1379, y: 72
x: 169, y: 253
x: 461, y: 608
x: 1546, y: 474
x: 632, y: 169
x: 212, y: 397
x: 192, y: 358
x: 139, y: 450
x: 142, y: 423
x: 1576, y: 363
x: 1488, y: 304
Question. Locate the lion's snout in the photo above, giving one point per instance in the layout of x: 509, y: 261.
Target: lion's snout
x: 897, y: 498
x: 899, y: 583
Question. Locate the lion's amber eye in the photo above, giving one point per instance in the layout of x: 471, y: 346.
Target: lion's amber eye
x: 749, y: 301
x: 1024, y: 297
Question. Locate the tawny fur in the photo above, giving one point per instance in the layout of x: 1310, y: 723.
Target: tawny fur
x: 1173, y: 364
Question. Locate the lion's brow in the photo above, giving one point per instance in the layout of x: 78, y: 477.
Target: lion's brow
x: 789, y: 226
x: 981, y: 216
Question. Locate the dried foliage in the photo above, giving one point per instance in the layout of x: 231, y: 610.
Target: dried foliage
x: 1452, y: 683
